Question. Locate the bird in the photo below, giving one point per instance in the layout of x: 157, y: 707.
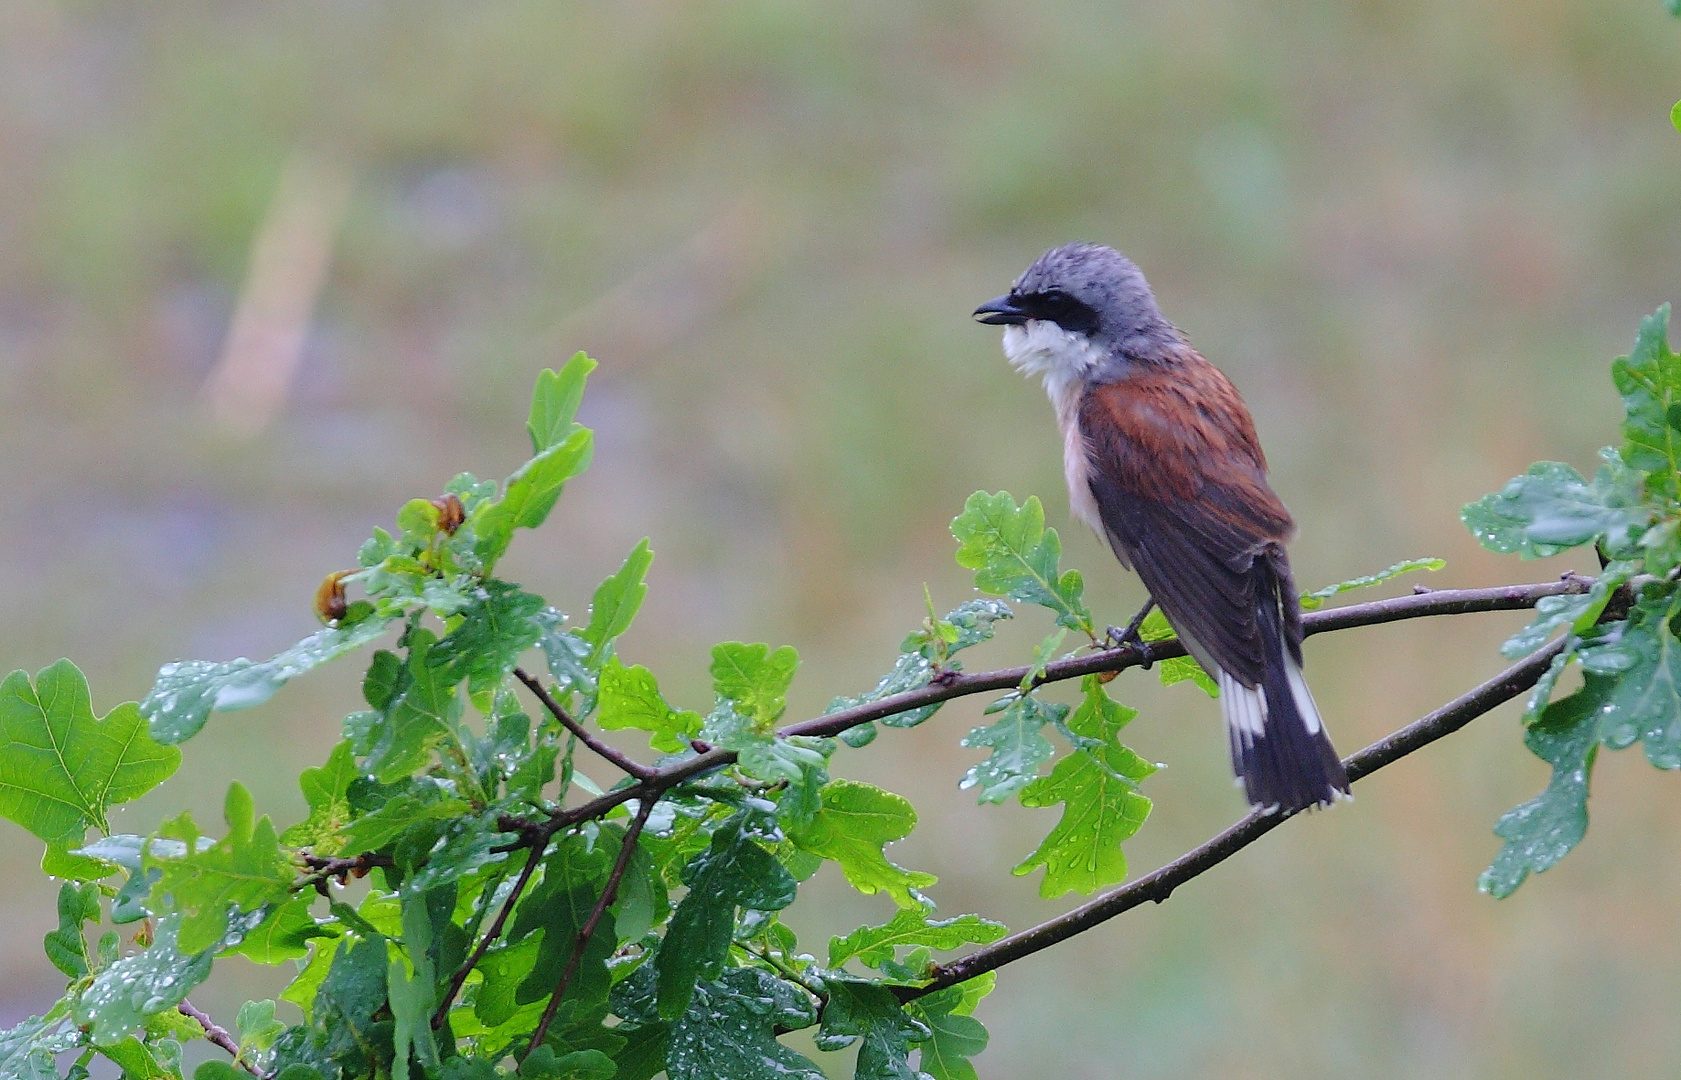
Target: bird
x: 1162, y: 461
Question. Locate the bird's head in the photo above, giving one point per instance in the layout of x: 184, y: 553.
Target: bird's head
x: 1081, y: 311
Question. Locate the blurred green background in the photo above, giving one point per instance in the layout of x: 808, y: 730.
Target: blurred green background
x: 267, y: 270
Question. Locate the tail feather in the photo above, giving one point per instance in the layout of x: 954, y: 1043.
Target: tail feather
x: 1279, y: 747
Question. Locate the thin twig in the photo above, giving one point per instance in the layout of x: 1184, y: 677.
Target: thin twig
x: 324, y: 869
x: 629, y: 765
x: 460, y: 978
x: 217, y: 1034
x: 1159, y: 885
x: 608, y: 892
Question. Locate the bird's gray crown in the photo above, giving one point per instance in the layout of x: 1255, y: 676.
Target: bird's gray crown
x: 1092, y: 291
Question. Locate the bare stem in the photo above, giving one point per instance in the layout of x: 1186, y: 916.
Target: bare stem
x: 608, y: 892
x: 633, y: 767
x: 495, y: 931
x: 217, y: 1034
x: 1159, y: 885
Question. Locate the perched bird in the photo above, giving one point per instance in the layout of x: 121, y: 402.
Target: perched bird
x: 1162, y: 461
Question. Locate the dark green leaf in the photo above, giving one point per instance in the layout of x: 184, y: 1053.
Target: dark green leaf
x: 1644, y: 698
x: 1014, y: 555
x: 869, y: 1011
x: 734, y: 871
x: 1103, y: 806
x: 424, y: 715
x: 423, y: 803
x: 122, y: 996
x: 344, y: 1008
x: 643, y: 1055
x: 504, y: 968
x: 412, y: 988
x: 27, y: 1050
x: 61, y: 767
x: 729, y: 1030
x: 66, y: 947
x: 1576, y: 611
x: 856, y: 822
x: 1543, y: 830
x: 1018, y: 748
x: 496, y: 628
x: 544, y: 1064
x: 1550, y: 509
x: 186, y: 691
x: 911, y: 927
x: 555, y: 400
x: 1649, y: 379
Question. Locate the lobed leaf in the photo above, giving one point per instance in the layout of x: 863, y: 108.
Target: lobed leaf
x: 1102, y: 804
x: 125, y: 995
x: 728, y: 1031
x: 1317, y: 598
x: 1014, y: 555
x: 529, y: 494
x: 555, y: 400
x: 911, y: 927
x: 243, y: 871
x: 856, y: 822
x: 62, y: 767
x: 1175, y: 669
x: 1018, y: 748
x: 1649, y: 379
x: 1550, y: 509
x: 630, y: 698
x: 1642, y: 659
x: 616, y: 602
x: 869, y: 1014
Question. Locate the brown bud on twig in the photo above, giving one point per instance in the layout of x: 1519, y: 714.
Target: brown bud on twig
x: 450, y: 513
x: 330, y: 603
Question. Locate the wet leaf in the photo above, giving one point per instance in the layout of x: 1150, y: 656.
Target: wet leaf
x: 855, y: 824
x: 244, y: 870
x: 1017, y: 745
x: 911, y: 928
x: 1014, y: 555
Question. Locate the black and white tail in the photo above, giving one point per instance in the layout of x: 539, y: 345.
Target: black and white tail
x: 1280, y: 750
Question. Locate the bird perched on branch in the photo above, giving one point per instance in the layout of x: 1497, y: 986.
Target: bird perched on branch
x: 1162, y: 461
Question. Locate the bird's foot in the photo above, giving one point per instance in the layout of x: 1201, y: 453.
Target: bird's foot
x: 1130, y: 637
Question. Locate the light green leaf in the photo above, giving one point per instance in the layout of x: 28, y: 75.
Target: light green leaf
x: 1018, y: 748
x: 1318, y: 597
x: 1014, y: 555
x: 630, y: 698
x: 555, y: 400
x: 1649, y: 379
x: 27, y: 1049
x: 137, y: 1062
x: 856, y: 822
x: 61, y: 767
x: 870, y: 1012
x: 911, y: 928
x: 1103, y: 806
x: 412, y: 989
x: 952, y: 1041
x: 188, y: 690
x: 754, y: 679
x: 729, y: 1030
x: 616, y: 602
x: 122, y: 996
x: 244, y: 870
x: 1543, y: 830
x: 283, y: 934
x: 925, y: 651
x: 529, y: 494
x: 1176, y: 669
x: 329, y: 810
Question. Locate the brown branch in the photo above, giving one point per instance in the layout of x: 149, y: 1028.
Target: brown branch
x: 1159, y: 885
x: 217, y: 1034
x: 324, y: 869
x: 459, y: 980
x: 629, y: 765
x: 608, y: 892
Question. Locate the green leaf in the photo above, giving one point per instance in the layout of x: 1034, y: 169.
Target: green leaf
x: 856, y: 822
x: 421, y: 717
x: 573, y: 876
x: 1644, y: 699
x: 467, y: 844
x: 1014, y: 555
x: 66, y: 948
x: 555, y: 400
x: 27, y: 1049
x: 1318, y: 597
x: 630, y: 698
x: 754, y: 679
x: 529, y: 494
x: 495, y: 629
x: 1674, y: 7
x: 925, y: 651
x: 244, y: 870
x: 395, y: 816
x: 1176, y: 669
x: 616, y: 602
x: 911, y: 928
x: 1649, y: 379
x: 61, y: 767
x: 728, y: 1031
x: 869, y: 1011
x: 734, y: 871
x: 954, y: 1036
x: 344, y: 1008
x: 1543, y: 830
x: 137, y: 1061
x: 1103, y: 806
x: 504, y: 968
x: 1018, y: 748
x: 188, y: 690
x: 412, y: 988
x: 122, y: 996
x: 329, y: 810
x: 1550, y: 509
x: 283, y: 934
x: 1575, y: 611
x: 544, y: 1064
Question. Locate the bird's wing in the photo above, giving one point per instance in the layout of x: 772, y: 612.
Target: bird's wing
x: 1180, y: 484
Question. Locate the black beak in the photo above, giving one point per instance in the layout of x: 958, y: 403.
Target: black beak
x: 1000, y: 312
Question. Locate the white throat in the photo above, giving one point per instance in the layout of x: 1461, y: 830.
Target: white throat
x: 1063, y: 360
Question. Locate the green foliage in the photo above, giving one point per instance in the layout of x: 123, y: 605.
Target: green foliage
x: 1014, y: 555
x: 1098, y: 785
x: 1317, y: 598
x: 244, y: 871
x: 856, y: 822
x: 1018, y: 748
x: 1627, y: 647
